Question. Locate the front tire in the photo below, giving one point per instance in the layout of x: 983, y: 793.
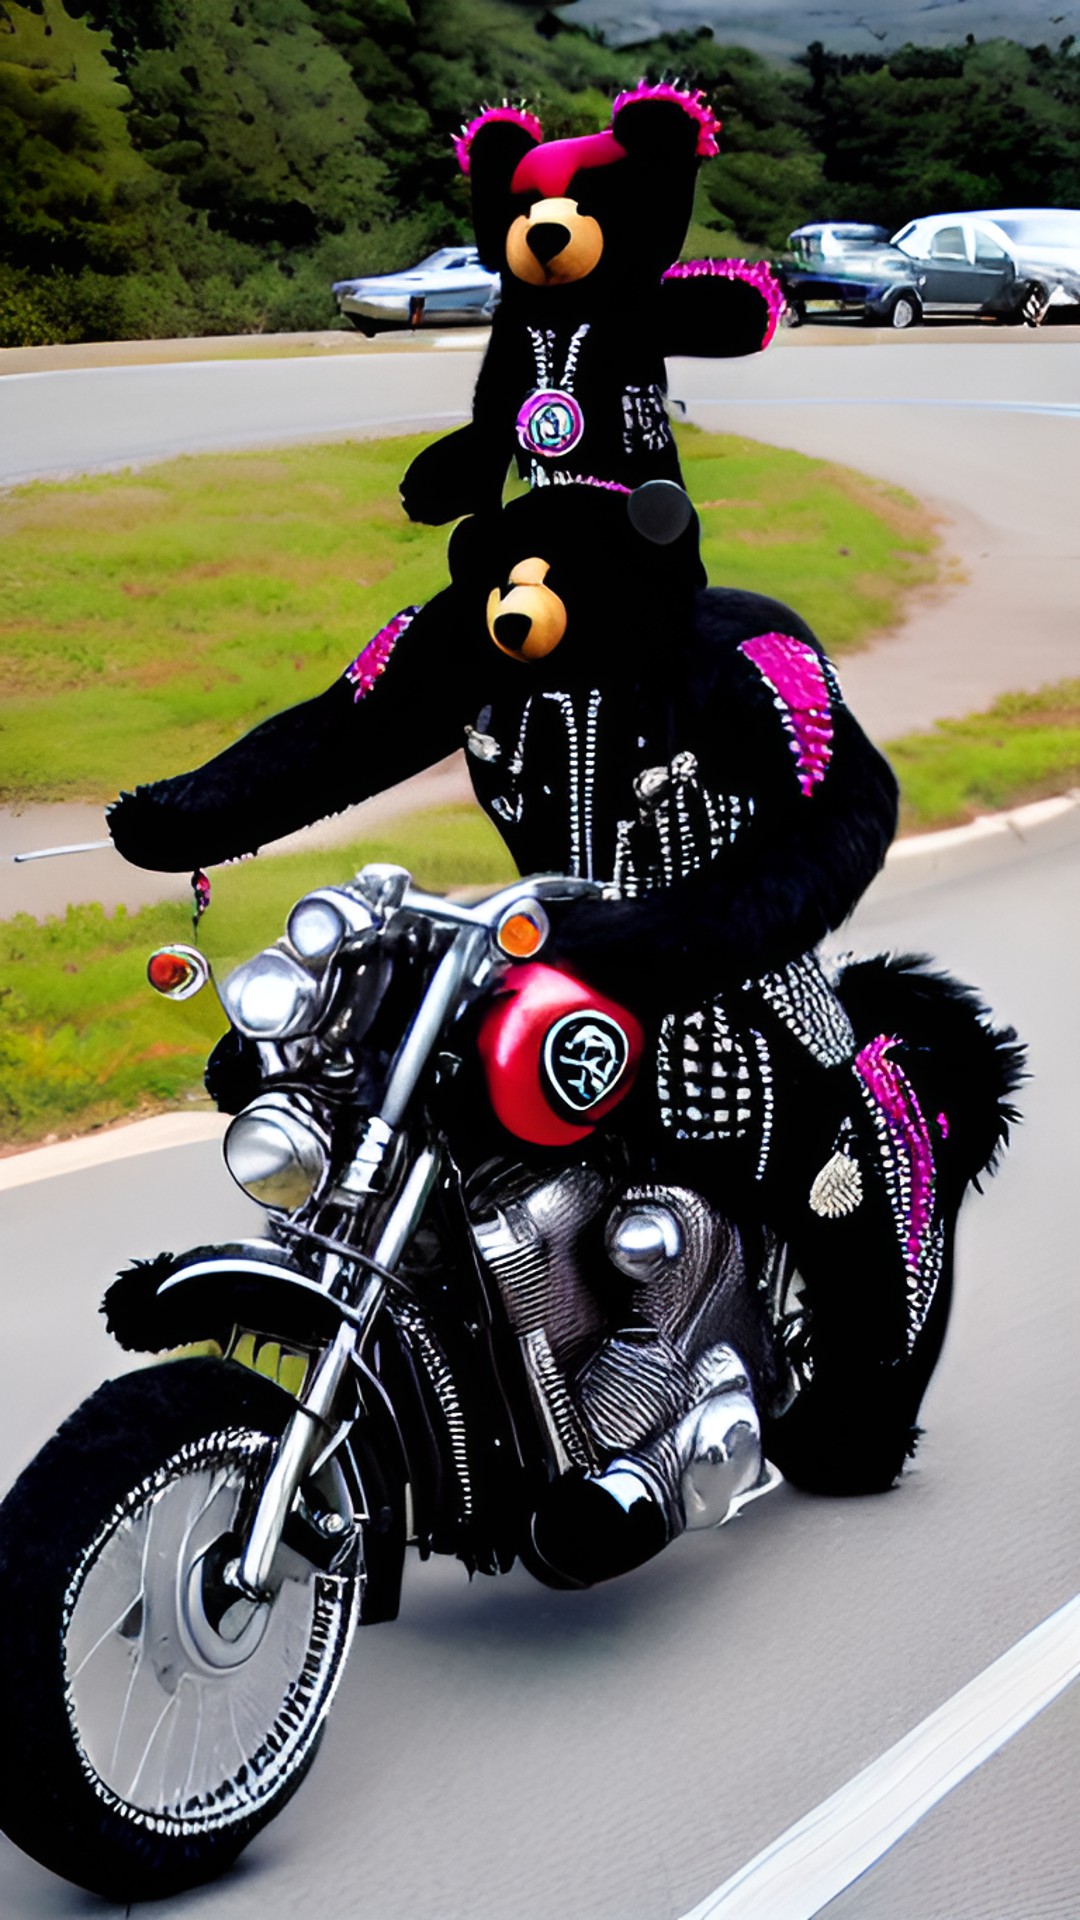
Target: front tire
x: 904, y: 311
x: 157, y: 1719
x: 1033, y: 308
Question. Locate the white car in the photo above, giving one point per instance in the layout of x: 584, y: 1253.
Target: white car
x: 448, y: 288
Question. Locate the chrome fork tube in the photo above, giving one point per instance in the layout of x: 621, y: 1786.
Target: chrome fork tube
x: 305, y: 1436
x: 457, y: 963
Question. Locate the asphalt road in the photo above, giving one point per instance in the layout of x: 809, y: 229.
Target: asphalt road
x: 616, y: 1755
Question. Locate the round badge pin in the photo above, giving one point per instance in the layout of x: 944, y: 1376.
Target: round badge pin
x: 550, y: 423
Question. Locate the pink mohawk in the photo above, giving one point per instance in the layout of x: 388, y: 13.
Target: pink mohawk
x: 695, y: 104
x: 520, y: 116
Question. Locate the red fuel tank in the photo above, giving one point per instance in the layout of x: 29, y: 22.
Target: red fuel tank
x: 557, y: 1055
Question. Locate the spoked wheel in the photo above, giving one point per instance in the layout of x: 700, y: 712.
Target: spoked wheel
x: 159, y: 1717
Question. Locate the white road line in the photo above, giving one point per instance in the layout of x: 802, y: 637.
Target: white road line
x: 1066, y: 408
x: 823, y: 1853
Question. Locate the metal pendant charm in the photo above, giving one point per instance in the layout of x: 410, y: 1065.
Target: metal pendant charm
x: 482, y: 746
x: 838, y: 1189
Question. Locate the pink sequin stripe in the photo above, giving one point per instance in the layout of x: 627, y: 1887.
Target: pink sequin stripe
x: 371, y: 661
x: 589, y: 480
x: 756, y: 273
x: 890, y: 1087
x: 796, y: 675
x: 520, y: 116
x: 695, y: 104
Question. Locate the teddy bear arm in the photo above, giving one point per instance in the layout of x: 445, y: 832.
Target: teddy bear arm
x: 393, y: 713
x: 464, y: 471
x: 790, y: 878
x: 444, y: 482
x: 714, y: 315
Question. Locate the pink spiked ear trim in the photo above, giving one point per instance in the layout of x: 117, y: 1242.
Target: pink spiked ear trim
x: 520, y: 116
x: 695, y: 104
x: 756, y: 273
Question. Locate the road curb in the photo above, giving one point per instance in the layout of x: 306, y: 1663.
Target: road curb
x: 994, y: 839
x: 922, y: 860
x: 111, y: 1143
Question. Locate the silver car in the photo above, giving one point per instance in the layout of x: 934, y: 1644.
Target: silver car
x: 1045, y: 242
x: 449, y: 288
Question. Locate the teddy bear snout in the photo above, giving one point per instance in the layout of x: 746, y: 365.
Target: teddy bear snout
x: 552, y: 243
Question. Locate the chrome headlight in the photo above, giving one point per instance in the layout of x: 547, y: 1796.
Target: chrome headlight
x: 315, y: 928
x: 277, y: 1153
x: 271, y: 997
x: 321, y: 921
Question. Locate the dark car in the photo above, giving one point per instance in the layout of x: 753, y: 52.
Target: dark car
x: 947, y: 263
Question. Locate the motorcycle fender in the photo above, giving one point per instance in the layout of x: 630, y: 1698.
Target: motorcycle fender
x: 202, y: 1294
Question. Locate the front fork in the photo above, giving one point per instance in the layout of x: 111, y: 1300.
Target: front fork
x: 314, y: 1430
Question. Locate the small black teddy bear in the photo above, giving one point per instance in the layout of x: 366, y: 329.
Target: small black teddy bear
x: 583, y: 233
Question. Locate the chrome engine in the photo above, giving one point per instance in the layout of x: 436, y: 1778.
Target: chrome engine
x: 625, y: 1300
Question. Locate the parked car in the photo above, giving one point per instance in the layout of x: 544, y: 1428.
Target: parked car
x: 946, y: 263
x: 1045, y: 242
x: 828, y: 273
x: 449, y: 287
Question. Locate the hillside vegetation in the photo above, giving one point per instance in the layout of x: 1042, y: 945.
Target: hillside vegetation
x: 190, y: 166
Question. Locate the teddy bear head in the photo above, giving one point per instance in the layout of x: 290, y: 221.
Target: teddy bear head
x: 610, y: 208
x: 601, y: 574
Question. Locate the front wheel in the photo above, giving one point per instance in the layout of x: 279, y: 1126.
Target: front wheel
x: 158, y: 1718
x: 904, y: 311
x: 1033, y: 308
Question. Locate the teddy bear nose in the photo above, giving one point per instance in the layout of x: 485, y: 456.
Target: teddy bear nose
x: 547, y: 239
x: 511, y: 630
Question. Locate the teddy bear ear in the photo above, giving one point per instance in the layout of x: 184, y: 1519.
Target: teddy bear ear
x: 660, y: 511
x: 498, y: 137
x: 664, y: 120
x: 489, y: 150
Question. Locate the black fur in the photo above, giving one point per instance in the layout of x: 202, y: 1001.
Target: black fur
x: 964, y: 1066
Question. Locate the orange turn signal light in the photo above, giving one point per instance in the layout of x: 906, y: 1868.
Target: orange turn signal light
x: 522, y: 933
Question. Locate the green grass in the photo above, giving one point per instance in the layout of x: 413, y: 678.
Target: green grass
x: 1026, y: 747
x: 85, y: 1040
x: 148, y: 619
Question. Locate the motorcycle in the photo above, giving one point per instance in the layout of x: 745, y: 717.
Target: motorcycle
x: 462, y: 1295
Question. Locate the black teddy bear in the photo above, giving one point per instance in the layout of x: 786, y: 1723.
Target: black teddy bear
x: 583, y: 233
x: 689, y: 748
